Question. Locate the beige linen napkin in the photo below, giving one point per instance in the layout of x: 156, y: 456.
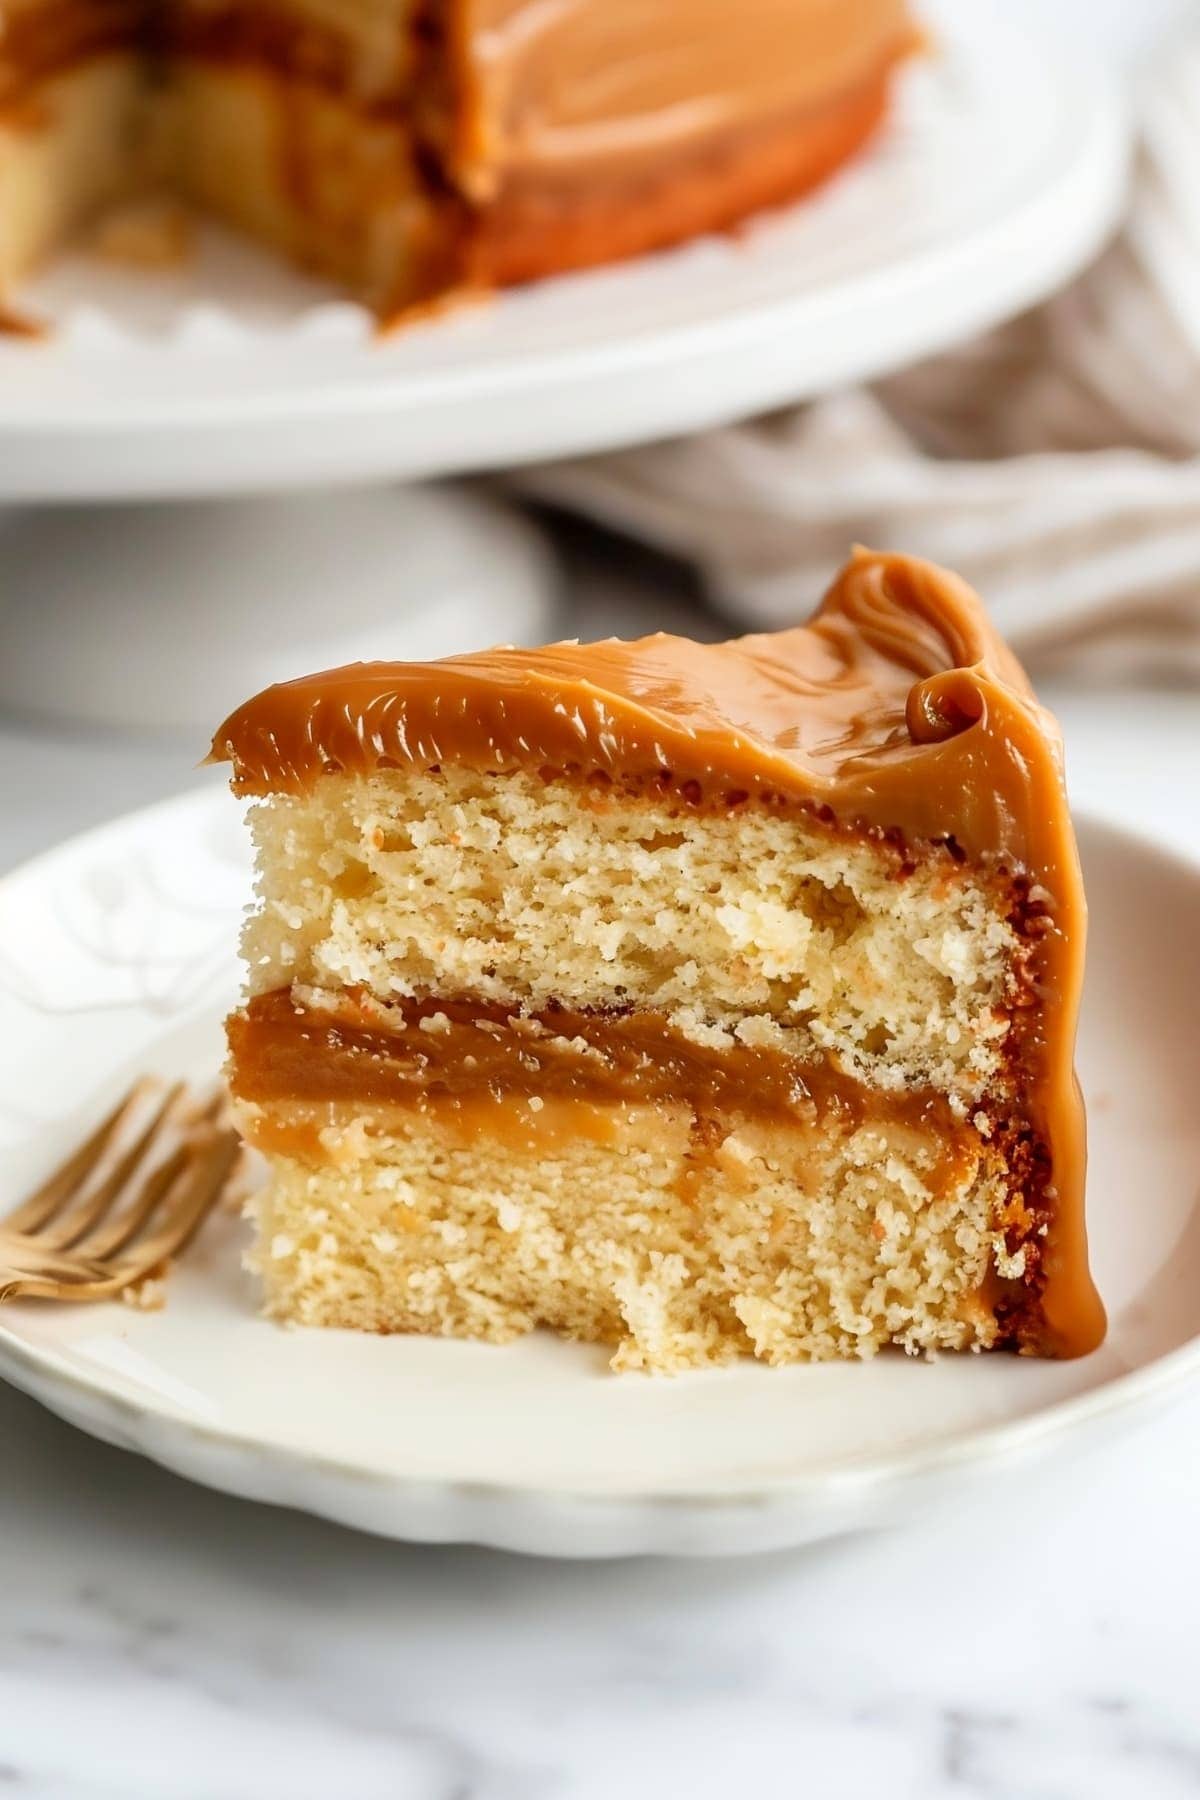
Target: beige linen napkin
x: 1056, y: 462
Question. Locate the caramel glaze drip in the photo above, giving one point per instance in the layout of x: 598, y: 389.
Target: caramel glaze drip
x: 898, y: 711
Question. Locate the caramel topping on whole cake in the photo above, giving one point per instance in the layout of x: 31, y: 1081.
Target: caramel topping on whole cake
x: 586, y: 87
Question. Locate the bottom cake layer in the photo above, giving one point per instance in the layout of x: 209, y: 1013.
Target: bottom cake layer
x: 629, y: 1226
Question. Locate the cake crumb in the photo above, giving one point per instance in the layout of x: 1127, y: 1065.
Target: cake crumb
x: 149, y: 1295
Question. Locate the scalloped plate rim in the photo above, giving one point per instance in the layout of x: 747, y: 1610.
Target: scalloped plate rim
x: 712, y: 1516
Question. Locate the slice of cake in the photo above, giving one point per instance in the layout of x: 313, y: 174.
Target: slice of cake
x: 410, y: 147
x: 696, y: 1000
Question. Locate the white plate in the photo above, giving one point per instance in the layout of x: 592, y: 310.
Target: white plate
x: 118, y: 957
x: 232, y: 374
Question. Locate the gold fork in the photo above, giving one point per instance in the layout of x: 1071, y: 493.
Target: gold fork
x: 129, y: 1199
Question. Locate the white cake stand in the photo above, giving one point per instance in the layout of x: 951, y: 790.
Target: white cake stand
x: 1001, y: 174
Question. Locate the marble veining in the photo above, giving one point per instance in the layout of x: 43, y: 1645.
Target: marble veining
x: 160, y: 1641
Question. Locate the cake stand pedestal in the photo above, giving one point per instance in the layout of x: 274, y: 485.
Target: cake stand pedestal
x: 229, y: 378
x: 164, y: 617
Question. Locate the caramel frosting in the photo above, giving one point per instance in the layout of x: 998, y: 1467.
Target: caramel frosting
x: 897, y: 710
x: 566, y: 88
x: 898, y: 707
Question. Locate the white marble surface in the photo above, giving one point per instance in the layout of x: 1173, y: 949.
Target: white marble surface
x: 160, y: 1641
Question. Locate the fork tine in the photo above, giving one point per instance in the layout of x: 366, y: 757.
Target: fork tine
x: 66, y: 1228
x: 184, y: 1213
x: 42, y: 1205
x: 65, y: 1241
x: 115, y: 1230
x: 26, y: 1259
x: 15, y: 1286
x: 76, y: 1285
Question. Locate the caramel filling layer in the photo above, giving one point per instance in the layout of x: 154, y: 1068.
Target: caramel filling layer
x: 441, y: 1055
